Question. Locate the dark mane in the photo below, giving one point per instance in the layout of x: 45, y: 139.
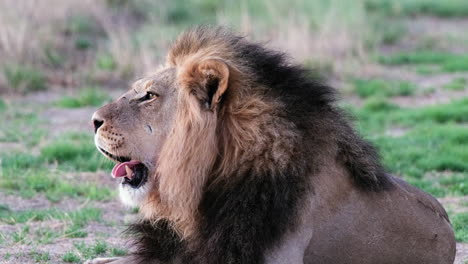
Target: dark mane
x: 310, y: 105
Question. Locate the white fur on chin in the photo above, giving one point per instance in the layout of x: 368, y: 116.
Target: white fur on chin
x: 132, y: 197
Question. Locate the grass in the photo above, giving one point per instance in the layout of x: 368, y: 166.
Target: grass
x: 457, y: 84
x: 378, y: 104
x: 432, y: 153
x: 431, y: 149
x: 460, y: 226
x: 91, y: 96
x: 83, y: 43
x: 383, y: 88
x: 447, y: 8
x: 25, y: 79
x: 39, y: 257
x: 20, y: 235
x: 70, y: 257
x: 446, y: 62
x: 106, y: 62
x: 46, y: 235
x: 118, y: 252
x: 29, y: 183
x: 71, y: 152
x: 19, y: 125
x: 75, y: 152
x: 91, y: 251
x: 3, y: 105
x: 378, y: 115
x: 73, y: 224
x: 78, y: 218
x: 83, y: 251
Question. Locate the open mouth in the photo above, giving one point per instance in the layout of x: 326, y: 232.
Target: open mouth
x: 133, y: 173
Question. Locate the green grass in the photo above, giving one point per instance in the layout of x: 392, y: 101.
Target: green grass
x: 378, y: 104
x: 53, y: 58
x: 383, y: 88
x: 456, y: 111
x: 78, y: 218
x: 387, y: 31
x: 75, y: 152
x: 426, y: 149
x: 3, y: 105
x: 118, y: 252
x: 446, y: 62
x: 91, y: 96
x: 446, y: 8
x: 460, y: 226
x: 27, y: 175
x: 427, y: 70
x: 377, y: 115
x: 71, y: 257
x: 81, y: 24
x: 46, y: 235
x: 433, y: 151
x: 74, y: 222
x: 91, y: 251
x: 19, y: 125
x: 458, y: 84
x: 84, y: 251
x: 39, y: 257
x: 29, y: 183
x: 25, y: 79
x: 106, y: 62
x: 21, y: 235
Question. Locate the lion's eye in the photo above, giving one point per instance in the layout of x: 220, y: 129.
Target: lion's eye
x: 149, y: 96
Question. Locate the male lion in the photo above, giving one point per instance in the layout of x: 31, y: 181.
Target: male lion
x: 235, y: 155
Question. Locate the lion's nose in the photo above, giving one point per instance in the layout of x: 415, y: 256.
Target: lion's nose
x: 97, y: 122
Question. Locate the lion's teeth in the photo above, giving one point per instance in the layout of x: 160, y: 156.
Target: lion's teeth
x: 129, y: 171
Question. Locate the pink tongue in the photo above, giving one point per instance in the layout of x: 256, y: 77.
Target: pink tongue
x: 119, y: 169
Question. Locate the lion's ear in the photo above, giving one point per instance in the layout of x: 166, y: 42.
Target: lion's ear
x: 208, y: 80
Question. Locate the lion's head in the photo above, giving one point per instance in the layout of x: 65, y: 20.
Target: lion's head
x: 221, y: 107
x: 200, y: 115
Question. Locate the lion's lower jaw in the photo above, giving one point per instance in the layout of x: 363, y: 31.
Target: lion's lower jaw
x: 132, y: 197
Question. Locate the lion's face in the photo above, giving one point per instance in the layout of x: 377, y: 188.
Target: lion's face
x: 132, y: 130
x: 165, y: 133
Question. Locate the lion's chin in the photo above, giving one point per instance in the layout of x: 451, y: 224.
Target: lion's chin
x: 133, y: 197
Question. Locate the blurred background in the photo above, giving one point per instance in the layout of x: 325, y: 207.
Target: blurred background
x: 401, y: 68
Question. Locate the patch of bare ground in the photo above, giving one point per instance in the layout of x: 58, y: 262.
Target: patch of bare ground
x: 396, y: 131
x: 11, y: 147
x: 462, y: 254
x: 432, y: 33
x: 436, y: 97
x: 455, y: 204
x: 69, y: 120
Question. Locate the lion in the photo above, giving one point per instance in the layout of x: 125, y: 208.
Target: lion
x: 234, y: 154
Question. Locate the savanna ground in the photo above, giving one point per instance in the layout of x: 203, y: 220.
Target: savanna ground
x: 401, y: 68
